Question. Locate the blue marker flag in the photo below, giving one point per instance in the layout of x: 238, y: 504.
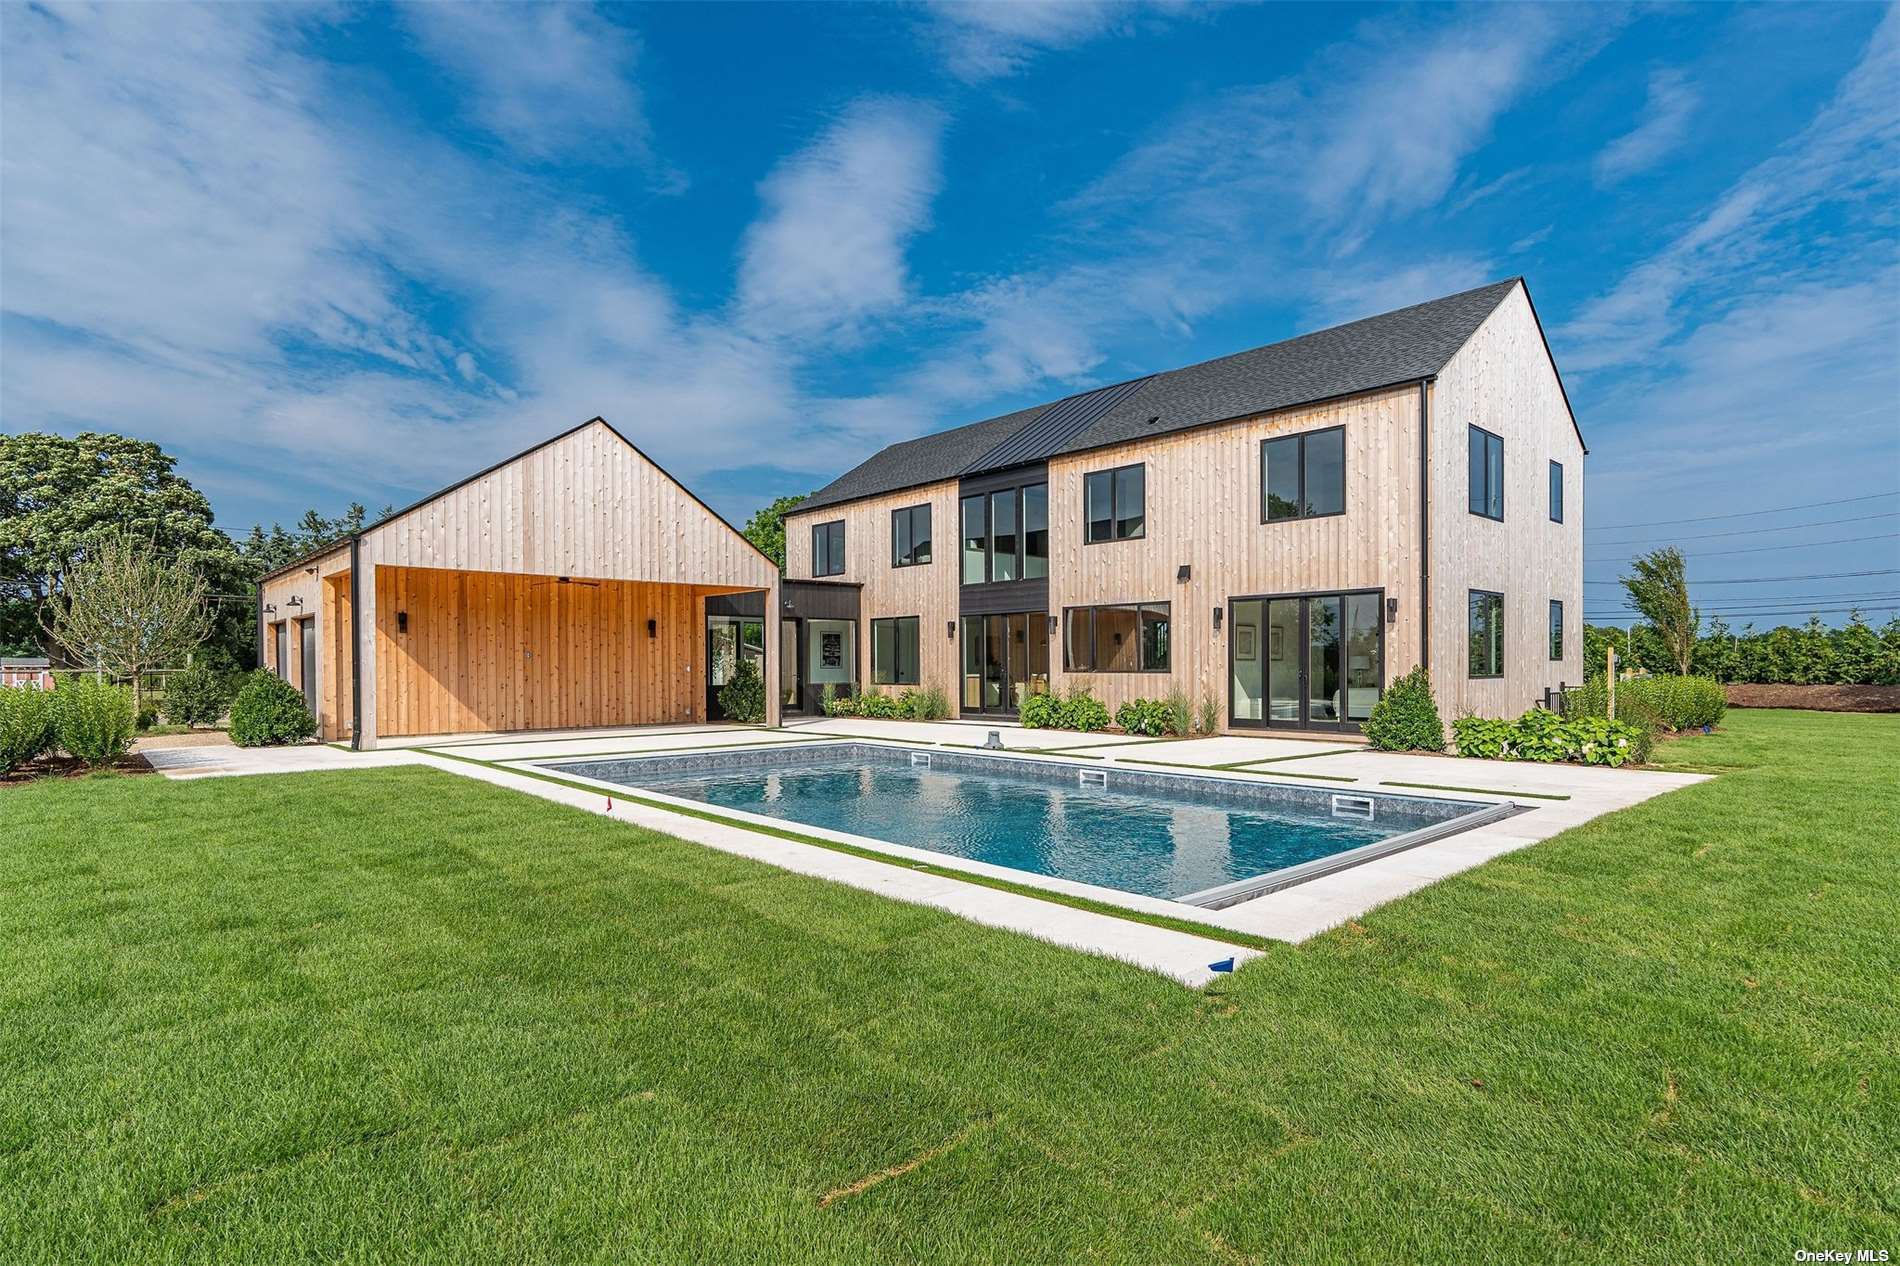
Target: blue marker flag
x: 1225, y: 964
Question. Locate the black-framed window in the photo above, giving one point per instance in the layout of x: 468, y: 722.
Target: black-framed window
x: 1485, y: 463
x: 1486, y: 632
x: 1005, y: 534
x: 1117, y: 638
x: 1303, y: 476
x: 827, y: 548
x: 1556, y: 629
x: 1556, y: 492
x: 894, y: 655
x: 910, y: 536
x: 1115, y: 504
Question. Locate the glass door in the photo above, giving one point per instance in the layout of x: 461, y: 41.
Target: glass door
x: 1307, y: 661
x: 1004, y: 658
x: 728, y: 638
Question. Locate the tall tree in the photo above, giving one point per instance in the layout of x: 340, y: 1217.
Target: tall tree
x: 1660, y: 590
x: 123, y: 607
x: 766, y: 528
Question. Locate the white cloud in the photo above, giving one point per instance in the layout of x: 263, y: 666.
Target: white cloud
x: 829, y: 250
x: 1671, y: 103
x: 990, y: 39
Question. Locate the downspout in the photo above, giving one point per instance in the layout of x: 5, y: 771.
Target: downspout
x: 356, y: 643
x: 1425, y: 524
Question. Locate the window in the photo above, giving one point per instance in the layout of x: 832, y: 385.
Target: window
x: 910, y: 536
x: 1125, y: 638
x: 1303, y: 476
x: 1006, y: 535
x: 1035, y: 531
x: 1485, y: 455
x: 1556, y: 493
x: 894, y: 651
x: 1487, y: 634
x: 827, y: 549
x: 1114, y: 504
x: 1556, y: 629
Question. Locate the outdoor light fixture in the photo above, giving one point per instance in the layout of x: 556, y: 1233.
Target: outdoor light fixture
x: 1183, y: 572
x: 1052, y: 626
x: 402, y: 621
x: 295, y: 601
x: 270, y: 608
x: 652, y: 628
x: 950, y: 629
x: 1217, y: 615
x: 1391, y: 610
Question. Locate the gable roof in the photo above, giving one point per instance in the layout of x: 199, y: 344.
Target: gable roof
x: 344, y: 542
x: 1397, y: 347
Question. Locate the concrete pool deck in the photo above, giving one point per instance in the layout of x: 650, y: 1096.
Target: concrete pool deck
x: 1554, y: 797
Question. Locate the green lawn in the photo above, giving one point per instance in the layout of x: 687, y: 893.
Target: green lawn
x: 399, y: 1013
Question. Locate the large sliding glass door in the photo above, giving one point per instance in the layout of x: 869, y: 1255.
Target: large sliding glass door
x: 730, y: 638
x: 1306, y: 661
x: 1004, y: 658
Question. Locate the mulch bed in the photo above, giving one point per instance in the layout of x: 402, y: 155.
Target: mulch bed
x: 1817, y: 698
x: 67, y: 767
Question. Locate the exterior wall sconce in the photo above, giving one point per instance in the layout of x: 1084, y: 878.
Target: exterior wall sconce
x: 402, y: 621
x: 653, y: 627
x: 1052, y: 626
x: 270, y: 608
x: 1391, y: 610
x: 1217, y: 615
x: 1183, y: 572
x: 295, y: 601
x: 950, y: 629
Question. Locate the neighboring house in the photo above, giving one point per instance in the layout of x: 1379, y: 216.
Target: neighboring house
x: 1283, y: 531
x: 576, y: 584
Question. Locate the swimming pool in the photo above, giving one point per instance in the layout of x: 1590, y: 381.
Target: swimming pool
x: 1200, y: 840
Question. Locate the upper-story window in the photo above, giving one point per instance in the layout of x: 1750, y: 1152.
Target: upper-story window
x: 1486, y: 466
x: 910, y: 536
x: 1556, y: 492
x: 1303, y: 476
x: 1005, y: 534
x: 1114, y: 504
x: 827, y: 549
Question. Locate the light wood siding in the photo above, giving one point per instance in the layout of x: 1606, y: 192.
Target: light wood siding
x: 1502, y: 380
x: 1203, y: 510
x: 314, y: 583
x: 928, y: 591
x: 488, y: 651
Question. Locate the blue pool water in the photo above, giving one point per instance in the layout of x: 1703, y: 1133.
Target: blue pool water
x: 1137, y: 841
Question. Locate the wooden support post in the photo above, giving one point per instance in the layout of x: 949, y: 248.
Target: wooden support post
x: 1609, y: 678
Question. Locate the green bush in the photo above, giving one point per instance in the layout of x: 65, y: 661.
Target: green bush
x: 29, y: 725
x: 1483, y: 738
x: 1180, y: 713
x: 269, y: 710
x: 1542, y: 735
x: 1406, y: 717
x: 742, y: 698
x: 95, y: 720
x: 1040, y: 711
x: 1151, y: 717
x: 929, y: 703
x: 1209, y: 719
x: 1675, y: 703
x: 196, y: 696
x: 1083, y: 711
x: 832, y: 704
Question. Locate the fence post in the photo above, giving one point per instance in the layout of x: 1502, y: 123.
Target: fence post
x: 1609, y: 679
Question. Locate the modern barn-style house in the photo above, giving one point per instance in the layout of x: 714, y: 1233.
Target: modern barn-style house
x: 1283, y: 531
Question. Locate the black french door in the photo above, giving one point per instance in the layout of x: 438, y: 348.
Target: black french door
x: 1313, y: 661
x: 1004, y: 658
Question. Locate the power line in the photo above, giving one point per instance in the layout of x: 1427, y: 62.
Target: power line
x: 1748, y: 615
x: 1778, y: 599
x: 1784, y: 527
x: 1775, y: 580
x: 1742, y: 514
x: 1763, y: 549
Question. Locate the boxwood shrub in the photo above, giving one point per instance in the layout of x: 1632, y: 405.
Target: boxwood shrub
x: 28, y: 725
x: 196, y: 696
x: 1406, y: 717
x: 269, y: 710
x: 1153, y: 717
x: 95, y: 720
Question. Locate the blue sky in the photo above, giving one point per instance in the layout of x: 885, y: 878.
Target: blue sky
x: 338, y: 253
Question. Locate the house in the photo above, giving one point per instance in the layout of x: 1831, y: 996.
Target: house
x: 576, y: 584
x: 1281, y: 532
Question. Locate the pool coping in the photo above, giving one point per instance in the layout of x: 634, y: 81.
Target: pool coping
x: 1208, y: 915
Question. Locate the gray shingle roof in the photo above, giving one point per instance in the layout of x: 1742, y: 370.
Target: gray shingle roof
x: 1379, y: 351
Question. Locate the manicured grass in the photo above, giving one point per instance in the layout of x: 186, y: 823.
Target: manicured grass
x: 393, y: 1013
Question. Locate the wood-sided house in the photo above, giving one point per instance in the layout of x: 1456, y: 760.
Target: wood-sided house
x: 1283, y: 532
x: 576, y: 584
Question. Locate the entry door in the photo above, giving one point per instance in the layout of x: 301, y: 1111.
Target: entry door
x: 1004, y: 658
x: 1307, y: 661
x: 728, y: 637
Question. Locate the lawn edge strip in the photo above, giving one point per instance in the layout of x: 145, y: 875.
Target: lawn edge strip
x: 1190, y: 927
x: 1274, y: 760
x: 1235, y: 769
x: 877, y: 738
x: 1481, y: 791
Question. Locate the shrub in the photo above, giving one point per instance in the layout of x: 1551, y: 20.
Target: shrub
x: 1180, y: 713
x: 742, y: 698
x: 1144, y: 716
x: 1542, y: 735
x: 878, y: 706
x: 1041, y: 711
x: 1210, y: 714
x: 196, y: 696
x: 1406, y: 717
x: 1675, y: 703
x: 926, y: 704
x: 1083, y: 711
x: 269, y: 710
x: 832, y: 705
x: 1483, y: 738
x: 28, y: 725
x: 95, y: 720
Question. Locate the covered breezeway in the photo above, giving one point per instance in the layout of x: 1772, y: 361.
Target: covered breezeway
x: 564, y: 588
